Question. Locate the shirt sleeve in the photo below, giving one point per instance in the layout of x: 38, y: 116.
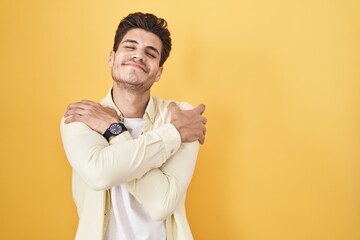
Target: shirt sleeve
x: 102, y: 165
x: 160, y: 190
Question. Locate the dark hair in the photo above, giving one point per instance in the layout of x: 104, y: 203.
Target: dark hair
x: 149, y: 23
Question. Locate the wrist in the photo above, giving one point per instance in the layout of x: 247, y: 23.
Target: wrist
x: 106, y: 125
x: 113, y: 130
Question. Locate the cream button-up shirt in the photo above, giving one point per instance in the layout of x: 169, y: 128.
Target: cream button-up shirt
x: 156, y: 168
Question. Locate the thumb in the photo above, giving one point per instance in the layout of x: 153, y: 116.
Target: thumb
x: 200, y: 109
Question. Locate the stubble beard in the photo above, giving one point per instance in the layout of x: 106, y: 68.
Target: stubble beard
x: 130, y: 82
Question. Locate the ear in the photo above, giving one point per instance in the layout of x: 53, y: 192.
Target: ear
x: 111, y: 59
x: 158, y: 75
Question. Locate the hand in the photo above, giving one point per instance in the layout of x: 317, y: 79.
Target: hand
x: 96, y: 116
x: 189, y: 123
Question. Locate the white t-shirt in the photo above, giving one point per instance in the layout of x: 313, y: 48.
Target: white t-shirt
x: 128, y: 219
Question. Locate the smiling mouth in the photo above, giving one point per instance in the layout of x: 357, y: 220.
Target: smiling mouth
x: 131, y: 64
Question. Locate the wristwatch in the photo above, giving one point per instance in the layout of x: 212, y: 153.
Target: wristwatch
x: 114, y: 130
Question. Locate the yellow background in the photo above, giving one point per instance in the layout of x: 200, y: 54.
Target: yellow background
x: 281, y: 81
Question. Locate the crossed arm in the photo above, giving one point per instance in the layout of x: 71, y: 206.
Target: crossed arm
x: 156, y: 167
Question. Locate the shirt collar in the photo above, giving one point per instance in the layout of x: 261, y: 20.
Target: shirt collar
x: 149, y: 111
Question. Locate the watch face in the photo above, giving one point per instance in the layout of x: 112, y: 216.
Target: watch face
x: 115, y: 128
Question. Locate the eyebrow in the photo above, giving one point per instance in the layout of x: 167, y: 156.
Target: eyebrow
x: 133, y: 41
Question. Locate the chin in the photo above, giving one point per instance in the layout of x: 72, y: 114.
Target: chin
x: 127, y: 77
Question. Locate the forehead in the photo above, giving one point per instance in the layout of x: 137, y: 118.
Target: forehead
x: 143, y: 37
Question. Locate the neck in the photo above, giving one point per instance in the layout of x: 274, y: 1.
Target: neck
x: 131, y: 104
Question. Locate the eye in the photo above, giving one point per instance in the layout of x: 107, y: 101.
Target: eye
x: 129, y: 47
x: 151, y: 55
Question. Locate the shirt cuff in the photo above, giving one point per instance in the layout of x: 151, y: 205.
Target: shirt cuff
x: 171, y: 138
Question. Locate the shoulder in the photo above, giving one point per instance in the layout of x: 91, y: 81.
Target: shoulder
x: 163, y: 105
x: 162, y: 111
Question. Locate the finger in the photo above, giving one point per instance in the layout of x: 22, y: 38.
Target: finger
x: 202, y: 135
x: 74, y: 118
x: 89, y: 102
x: 204, y: 120
x: 84, y: 105
x: 200, y: 109
x: 75, y: 111
x: 74, y: 106
x: 173, y: 107
x: 66, y: 114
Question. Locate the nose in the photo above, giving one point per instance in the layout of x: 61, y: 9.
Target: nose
x: 138, y: 56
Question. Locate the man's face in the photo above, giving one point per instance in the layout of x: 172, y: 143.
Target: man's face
x: 135, y: 65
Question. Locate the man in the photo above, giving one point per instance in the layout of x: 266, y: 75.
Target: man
x: 133, y: 155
